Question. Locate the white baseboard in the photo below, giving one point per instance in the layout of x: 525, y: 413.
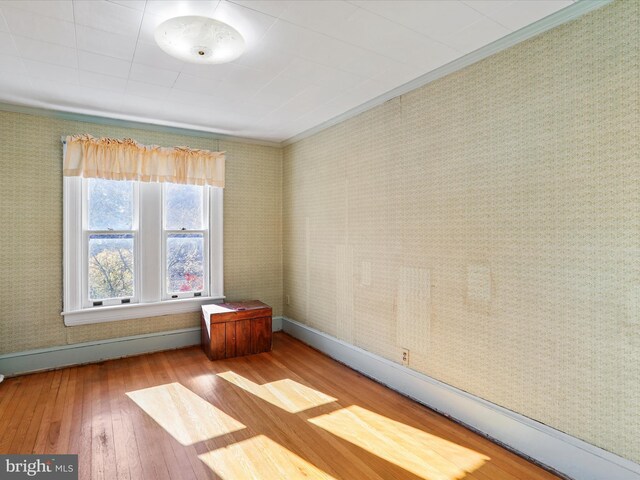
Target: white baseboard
x: 90, y: 352
x: 563, y: 453
x: 276, y: 324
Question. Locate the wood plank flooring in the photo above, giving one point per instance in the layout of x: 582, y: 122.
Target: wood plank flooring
x: 289, y: 414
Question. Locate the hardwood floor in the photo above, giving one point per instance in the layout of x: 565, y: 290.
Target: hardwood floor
x: 288, y: 414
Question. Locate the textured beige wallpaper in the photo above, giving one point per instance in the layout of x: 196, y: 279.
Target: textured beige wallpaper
x: 31, y: 233
x: 490, y: 222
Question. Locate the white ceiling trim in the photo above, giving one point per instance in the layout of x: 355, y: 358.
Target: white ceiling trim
x: 581, y: 7
x: 131, y: 122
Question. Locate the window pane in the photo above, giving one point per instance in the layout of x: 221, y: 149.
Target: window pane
x: 110, y: 204
x: 183, y: 206
x: 110, y: 266
x: 185, y: 262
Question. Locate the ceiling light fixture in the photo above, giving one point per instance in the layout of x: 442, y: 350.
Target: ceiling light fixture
x: 199, y: 40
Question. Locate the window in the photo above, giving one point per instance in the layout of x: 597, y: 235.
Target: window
x: 139, y: 249
x: 109, y: 242
x: 184, y: 240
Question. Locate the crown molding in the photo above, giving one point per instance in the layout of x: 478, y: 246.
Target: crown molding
x: 567, y: 14
x: 125, y: 121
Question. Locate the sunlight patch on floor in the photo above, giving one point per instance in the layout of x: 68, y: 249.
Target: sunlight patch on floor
x: 286, y: 394
x: 184, y: 415
x: 260, y: 458
x: 425, y: 455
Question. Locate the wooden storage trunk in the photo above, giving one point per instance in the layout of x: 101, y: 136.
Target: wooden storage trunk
x: 235, y: 329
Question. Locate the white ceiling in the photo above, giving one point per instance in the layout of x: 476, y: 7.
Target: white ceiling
x: 306, y: 61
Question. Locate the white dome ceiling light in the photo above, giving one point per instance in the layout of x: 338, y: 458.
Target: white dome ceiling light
x: 199, y: 40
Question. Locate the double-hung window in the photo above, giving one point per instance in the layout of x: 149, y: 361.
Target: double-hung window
x: 185, y: 238
x: 110, y: 242
x: 137, y: 249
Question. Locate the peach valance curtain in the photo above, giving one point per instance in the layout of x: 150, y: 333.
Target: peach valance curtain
x: 126, y: 159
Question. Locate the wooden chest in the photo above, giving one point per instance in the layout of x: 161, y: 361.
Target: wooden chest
x: 236, y: 329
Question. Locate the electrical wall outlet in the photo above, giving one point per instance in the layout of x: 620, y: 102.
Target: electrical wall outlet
x: 288, y: 300
x: 405, y: 356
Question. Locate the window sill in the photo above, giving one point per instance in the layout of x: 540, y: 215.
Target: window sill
x: 136, y: 310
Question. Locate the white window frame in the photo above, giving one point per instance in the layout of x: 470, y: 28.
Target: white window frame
x: 149, y: 293
x: 135, y: 230
x: 165, y: 234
